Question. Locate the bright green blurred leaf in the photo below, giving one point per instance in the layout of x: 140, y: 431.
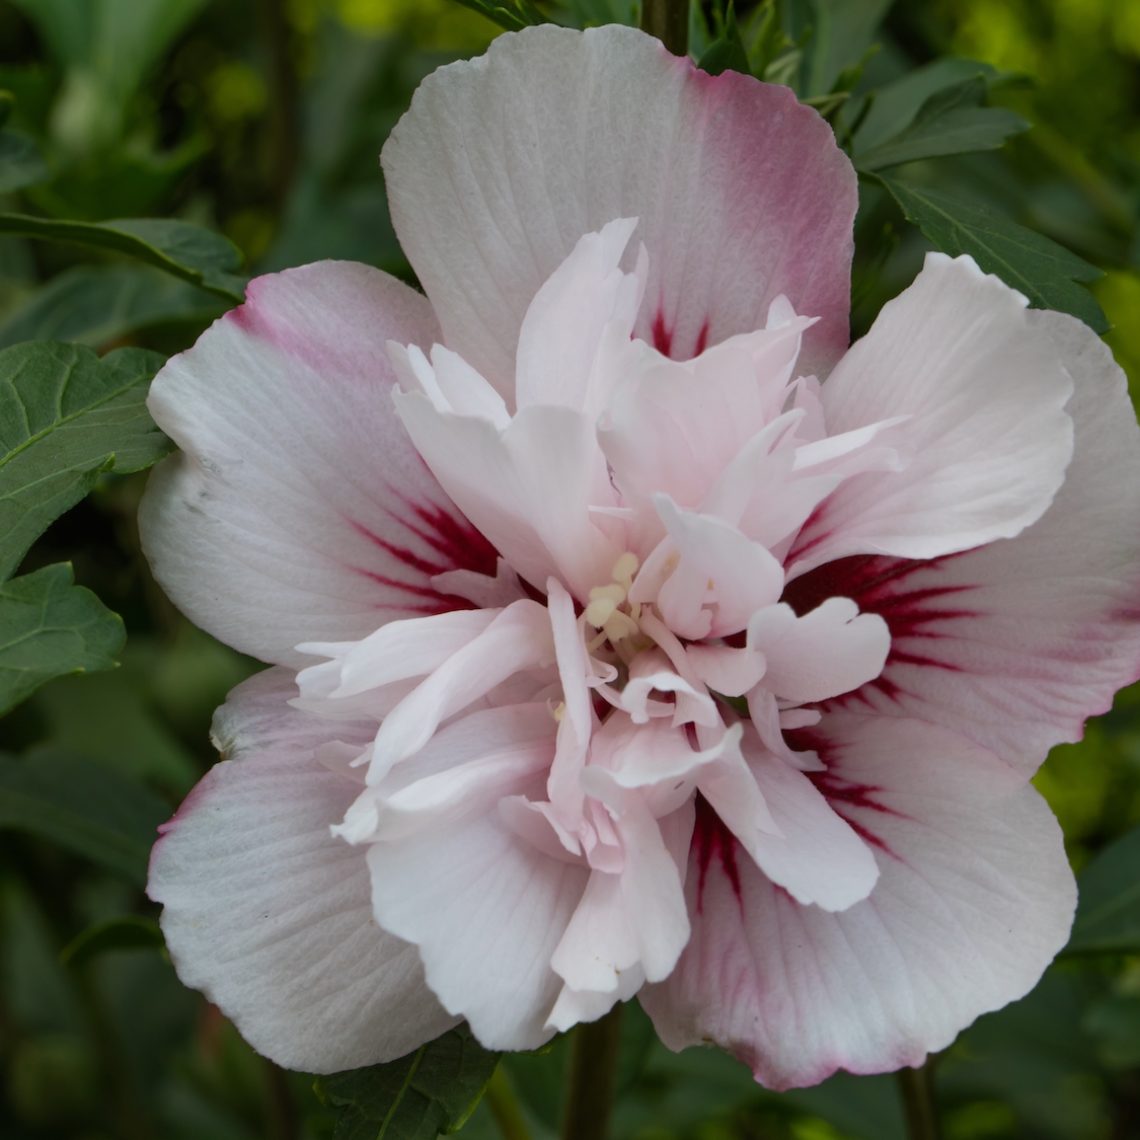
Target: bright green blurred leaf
x: 50, y: 627
x: 65, y: 416
x: 951, y: 121
x: 1108, y: 914
x: 1044, y: 271
x: 127, y: 932
x: 20, y: 162
x: 82, y: 806
x: 98, y: 304
x: 191, y: 252
x: 433, y: 1090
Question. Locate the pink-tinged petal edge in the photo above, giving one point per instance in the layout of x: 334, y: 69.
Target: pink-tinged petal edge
x: 1016, y: 644
x: 298, y: 510
x: 740, y: 191
x: 270, y: 915
x: 975, y: 897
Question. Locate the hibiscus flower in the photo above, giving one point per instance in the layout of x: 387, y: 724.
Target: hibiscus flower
x: 630, y: 633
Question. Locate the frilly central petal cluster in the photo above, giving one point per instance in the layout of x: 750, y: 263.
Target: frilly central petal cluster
x: 651, y: 505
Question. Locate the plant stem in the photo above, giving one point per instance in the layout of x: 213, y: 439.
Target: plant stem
x: 668, y: 20
x: 917, y: 1088
x: 590, y: 1089
x: 505, y: 1107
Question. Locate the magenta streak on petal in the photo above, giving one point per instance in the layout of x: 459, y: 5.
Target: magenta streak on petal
x: 702, y: 339
x: 455, y: 538
x: 662, y: 334
x: 877, y: 585
x: 712, y: 839
x: 799, y: 549
x: 459, y: 545
x: 845, y: 796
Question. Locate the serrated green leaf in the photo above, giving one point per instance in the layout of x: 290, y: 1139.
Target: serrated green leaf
x: 951, y: 121
x: 191, y: 252
x: 1047, y: 273
x: 21, y: 163
x: 65, y: 416
x: 50, y: 627
x: 1108, y: 914
x: 82, y: 806
x: 433, y: 1090
x: 98, y: 304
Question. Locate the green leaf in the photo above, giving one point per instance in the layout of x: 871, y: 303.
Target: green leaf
x: 951, y: 121
x: 727, y: 52
x: 191, y: 252
x: 50, y: 627
x: 82, y: 806
x: 1044, y: 271
x: 894, y: 105
x: 433, y: 1090
x: 66, y: 416
x: 127, y: 932
x: 1108, y: 915
x: 843, y: 31
x: 512, y: 15
x: 20, y: 162
x: 98, y: 304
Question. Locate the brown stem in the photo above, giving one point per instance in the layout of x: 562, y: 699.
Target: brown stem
x: 590, y: 1089
x: 668, y: 20
x: 284, y: 105
x: 917, y: 1088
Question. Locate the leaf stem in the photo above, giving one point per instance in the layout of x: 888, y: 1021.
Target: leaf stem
x: 504, y: 1106
x: 917, y: 1088
x: 668, y: 20
x: 590, y: 1088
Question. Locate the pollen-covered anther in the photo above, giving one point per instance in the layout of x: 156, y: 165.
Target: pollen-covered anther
x: 608, y: 610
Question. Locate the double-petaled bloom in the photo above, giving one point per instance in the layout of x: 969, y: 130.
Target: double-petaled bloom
x: 630, y: 633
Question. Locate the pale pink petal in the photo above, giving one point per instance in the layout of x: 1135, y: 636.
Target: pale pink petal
x: 528, y: 488
x: 504, y: 162
x: 634, y: 918
x: 399, y: 650
x: 987, y: 440
x: 831, y: 650
x: 974, y: 899
x: 674, y: 428
x: 812, y: 852
x: 448, y: 381
x: 564, y: 325
x: 1015, y: 644
x: 298, y: 508
x: 270, y: 915
x: 518, y: 639
x: 486, y: 910
x: 577, y: 716
x: 469, y: 766
x: 706, y: 578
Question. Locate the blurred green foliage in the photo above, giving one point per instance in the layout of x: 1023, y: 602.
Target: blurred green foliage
x: 262, y: 121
